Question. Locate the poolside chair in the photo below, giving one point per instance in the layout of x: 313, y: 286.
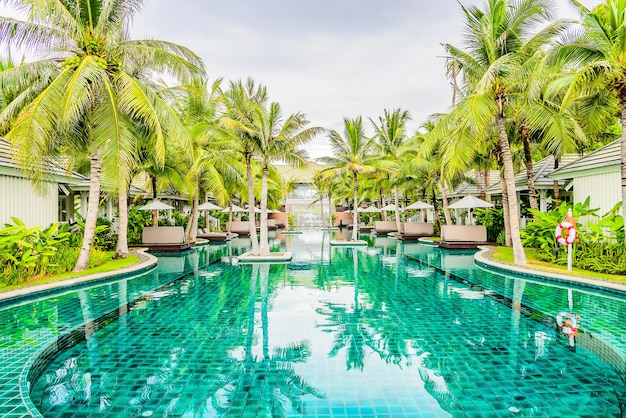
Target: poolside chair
x: 463, y: 236
x: 164, y: 238
x: 385, y: 227
x: 218, y: 236
x: 416, y: 230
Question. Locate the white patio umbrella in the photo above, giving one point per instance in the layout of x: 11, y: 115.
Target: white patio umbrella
x: 470, y: 202
x: 419, y: 205
x: 369, y: 209
x: 208, y: 206
x: 389, y: 207
x: 235, y: 209
x: 156, y: 206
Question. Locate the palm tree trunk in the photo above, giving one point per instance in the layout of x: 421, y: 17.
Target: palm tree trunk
x: 121, y: 248
x: 528, y: 161
x: 519, y: 256
x: 95, y: 176
x: 397, y: 203
x: 155, y: 213
x: 355, y: 214
x: 505, y: 213
x: 322, y: 206
x: 191, y: 229
x: 330, y: 209
x: 251, y: 215
x: 264, y: 246
x: 444, y: 201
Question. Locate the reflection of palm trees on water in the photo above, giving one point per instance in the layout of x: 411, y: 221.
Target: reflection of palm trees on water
x: 268, y: 382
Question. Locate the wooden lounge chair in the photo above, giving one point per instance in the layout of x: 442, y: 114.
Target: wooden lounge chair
x: 218, y: 236
x: 463, y: 236
x: 164, y: 238
x: 385, y: 227
x: 416, y: 230
x: 240, y: 227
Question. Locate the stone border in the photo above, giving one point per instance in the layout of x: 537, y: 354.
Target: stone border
x: 145, y: 261
x: 483, y: 256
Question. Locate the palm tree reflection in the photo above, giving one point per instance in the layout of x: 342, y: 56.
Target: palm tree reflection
x: 265, y: 384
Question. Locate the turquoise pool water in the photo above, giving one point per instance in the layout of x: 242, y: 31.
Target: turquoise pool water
x: 389, y: 330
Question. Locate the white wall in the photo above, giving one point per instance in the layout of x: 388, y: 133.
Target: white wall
x: 603, y: 190
x: 19, y: 199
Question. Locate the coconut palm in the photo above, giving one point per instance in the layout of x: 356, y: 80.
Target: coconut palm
x: 278, y: 140
x: 390, y: 138
x: 598, y: 56
x: 352, y: 155
x: 244, y: 101
x: 90, y: 102
x: 498, y: 40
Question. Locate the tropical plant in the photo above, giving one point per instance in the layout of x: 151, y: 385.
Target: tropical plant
x: 498, y: 41
x: 598, y: 58
x: 87, y: 101
x: 352, y: 155
x: 391, y: 139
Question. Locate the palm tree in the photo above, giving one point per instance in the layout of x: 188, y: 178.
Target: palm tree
x: 498, y: 40
x: 91, y: 101
x: 353, y: 155
x: 598, y: 57
x: 391, y: 138
x: 278, y: 140
x: 244, y: 102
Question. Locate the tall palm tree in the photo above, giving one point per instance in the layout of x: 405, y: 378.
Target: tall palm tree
x: 390, y: 138
x: 497, y: 41
x: 598, y: 57
x: 244, y: 102
x: 352, y: 155
x: 90, y: 102
x: 279, y: 140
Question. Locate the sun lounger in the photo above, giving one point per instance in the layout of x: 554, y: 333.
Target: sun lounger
x: 416, y: 230
x: 216, y: 236
x: 463, y: 236
x: 385, y: 227
x: 164, y: 238
x: 240, y: 227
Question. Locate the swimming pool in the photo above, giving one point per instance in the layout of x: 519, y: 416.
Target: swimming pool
x: 393, y: 329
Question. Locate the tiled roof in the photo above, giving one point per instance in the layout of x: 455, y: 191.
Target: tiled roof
x: 542, y: 171
x: 465, y: 188
x: 607, y: 156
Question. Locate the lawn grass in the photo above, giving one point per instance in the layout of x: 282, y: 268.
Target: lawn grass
x: 505, y: 255
x: 110, y: 265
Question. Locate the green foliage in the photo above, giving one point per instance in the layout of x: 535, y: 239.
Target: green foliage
x: 493, y: 220
x: 180, y: 219
x: 600, y: 245
x: 292, y: 220
x: 27, y: 252
x: 137, y: 221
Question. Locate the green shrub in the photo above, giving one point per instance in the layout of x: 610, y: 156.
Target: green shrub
x: 137, y: 221
x: 599, y: 246
x: 493, y: 220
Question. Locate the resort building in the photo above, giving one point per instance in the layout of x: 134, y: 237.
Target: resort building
x: 595, y: 176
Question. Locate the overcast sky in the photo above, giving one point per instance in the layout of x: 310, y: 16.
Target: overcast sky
x: 329, y: 59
